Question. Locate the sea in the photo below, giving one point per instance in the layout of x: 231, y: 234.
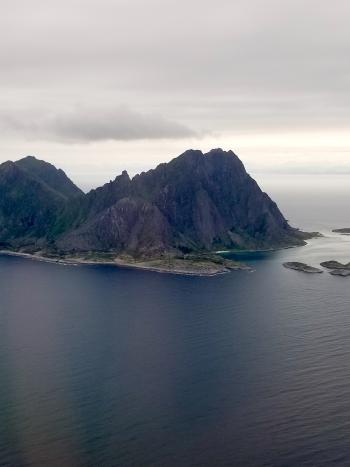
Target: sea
x: 103, y: 366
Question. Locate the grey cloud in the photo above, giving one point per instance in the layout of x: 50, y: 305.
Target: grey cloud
x: 87, y: 124
x: 224, y: 65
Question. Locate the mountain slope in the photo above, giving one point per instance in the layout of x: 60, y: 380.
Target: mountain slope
x: 28, y: 207
x: 47, y: 173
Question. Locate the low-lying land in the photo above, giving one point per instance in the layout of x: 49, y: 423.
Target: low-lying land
x: 202, y: 265
x: 191, y: 264
x: 335, y: 267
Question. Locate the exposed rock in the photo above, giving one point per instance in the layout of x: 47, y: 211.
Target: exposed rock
x: 337, y: 269
x: 201, y: 202
x: 127, y: 226
x: 335, y: 265
x: 302, y: 267
x: 340, y: 272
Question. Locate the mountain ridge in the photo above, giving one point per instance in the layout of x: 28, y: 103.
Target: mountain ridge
x: 196, y: 203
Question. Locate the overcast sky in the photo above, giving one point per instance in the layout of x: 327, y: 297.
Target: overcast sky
x: 96, y: 86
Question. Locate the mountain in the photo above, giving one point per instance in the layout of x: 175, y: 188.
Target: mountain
x: 195, y: 203
x: 32, y: 194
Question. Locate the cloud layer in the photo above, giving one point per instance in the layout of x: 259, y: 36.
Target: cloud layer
x: 128, y: 70
x: 88, y: 124
x: 225, y: 64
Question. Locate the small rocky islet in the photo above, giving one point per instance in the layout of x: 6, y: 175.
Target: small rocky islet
x: 297, y: 266
x: 343, y: 231
x: 335, y: 267
x: 340, y: 272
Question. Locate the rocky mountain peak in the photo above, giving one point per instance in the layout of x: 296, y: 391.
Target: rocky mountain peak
x: 195, y: 203
x: 202, y: 202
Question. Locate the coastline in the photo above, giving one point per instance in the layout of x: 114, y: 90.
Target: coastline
x: 179, y: 266
x: 206, y: 264
x: 313, y: 236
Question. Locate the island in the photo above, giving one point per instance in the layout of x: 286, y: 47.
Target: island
x: 340, y: 272
x: 344, y: 231
x: 172, y: 218
x: 302, y: 267
x: 337, y: 268
x: 332, y: 264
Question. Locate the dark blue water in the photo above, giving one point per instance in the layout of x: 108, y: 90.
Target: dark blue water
x: 101, y: 366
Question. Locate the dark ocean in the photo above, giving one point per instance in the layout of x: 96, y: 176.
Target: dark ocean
x: 102, y: 366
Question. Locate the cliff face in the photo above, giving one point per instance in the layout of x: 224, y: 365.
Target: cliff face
x: 130, y: 225
x: 196, y: 202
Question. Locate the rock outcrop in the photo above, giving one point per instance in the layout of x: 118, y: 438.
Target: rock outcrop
x: 332, y: 264
x: 302, y: 267
x: 340, y: 272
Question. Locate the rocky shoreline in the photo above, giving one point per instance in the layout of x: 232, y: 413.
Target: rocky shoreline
x: 202, y: 264
x: 191, y: 265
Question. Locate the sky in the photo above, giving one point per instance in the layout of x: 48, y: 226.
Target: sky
x: 99, y: 86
